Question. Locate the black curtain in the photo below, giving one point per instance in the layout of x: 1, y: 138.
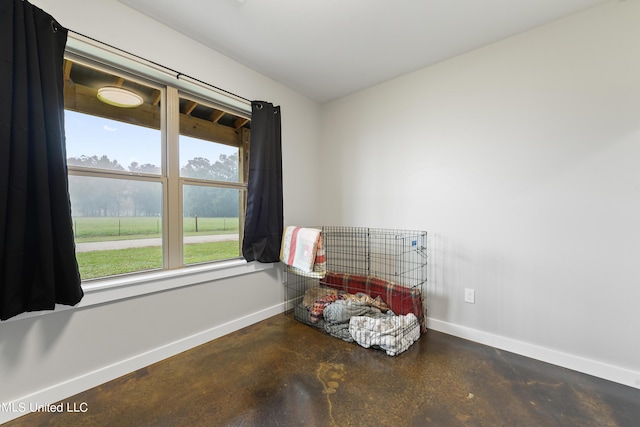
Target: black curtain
x: 38, y: 267
x: 264, y: 218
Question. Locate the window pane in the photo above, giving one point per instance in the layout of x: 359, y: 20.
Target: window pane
x: 209, y: 142
x: 117, y: 225
x: 211, y: 223
x: 96, y: 142
x: 208, y: 160
x: 104, y: 136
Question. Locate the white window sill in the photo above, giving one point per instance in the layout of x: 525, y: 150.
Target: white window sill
x: 114, y: 289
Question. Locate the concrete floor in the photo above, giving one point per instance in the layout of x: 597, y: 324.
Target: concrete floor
x: 282, y: 373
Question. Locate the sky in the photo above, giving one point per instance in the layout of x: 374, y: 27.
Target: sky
x: 91, y: 135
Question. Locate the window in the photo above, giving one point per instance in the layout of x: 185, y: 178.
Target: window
x: 160, y: 185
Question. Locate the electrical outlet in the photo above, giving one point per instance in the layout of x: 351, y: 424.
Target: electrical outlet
x: 469, y: 295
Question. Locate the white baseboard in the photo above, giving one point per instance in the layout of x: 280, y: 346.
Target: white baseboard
x: 66, y: 389
x: 576, y: 363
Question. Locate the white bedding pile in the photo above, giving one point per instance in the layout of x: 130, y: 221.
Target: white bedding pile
x: 394, y: 334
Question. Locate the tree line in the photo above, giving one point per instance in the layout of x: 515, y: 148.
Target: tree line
x: 92, y: 196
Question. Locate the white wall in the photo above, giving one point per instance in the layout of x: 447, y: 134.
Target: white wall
x: 521, y: 161
x: 54, y: 355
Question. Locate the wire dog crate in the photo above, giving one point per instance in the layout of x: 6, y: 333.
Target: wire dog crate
x: 371, y: 291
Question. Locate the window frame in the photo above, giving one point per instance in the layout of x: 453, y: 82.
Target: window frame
x: 172, y: 86
x: 240, y: 185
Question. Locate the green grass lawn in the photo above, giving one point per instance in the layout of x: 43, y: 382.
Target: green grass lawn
x: 110, y: 263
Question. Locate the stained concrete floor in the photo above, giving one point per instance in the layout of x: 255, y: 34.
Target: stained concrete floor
x: 282, y: 373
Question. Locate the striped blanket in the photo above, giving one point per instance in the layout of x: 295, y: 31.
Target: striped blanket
x: 302, y: 249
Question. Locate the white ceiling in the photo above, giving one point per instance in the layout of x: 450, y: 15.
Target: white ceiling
x: 327, y: 49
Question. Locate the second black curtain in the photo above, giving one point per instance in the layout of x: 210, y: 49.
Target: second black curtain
x: 264, y: 218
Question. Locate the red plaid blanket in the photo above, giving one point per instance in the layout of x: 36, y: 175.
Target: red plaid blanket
x: 400, y: 299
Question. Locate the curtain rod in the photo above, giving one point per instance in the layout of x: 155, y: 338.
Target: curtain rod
x: 163, y: 67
